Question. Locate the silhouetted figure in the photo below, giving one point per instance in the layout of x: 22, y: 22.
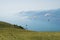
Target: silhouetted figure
x: 26, y: 26
x: 48, y: 20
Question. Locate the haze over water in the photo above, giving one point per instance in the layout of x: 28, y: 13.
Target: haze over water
x: 36, y: 15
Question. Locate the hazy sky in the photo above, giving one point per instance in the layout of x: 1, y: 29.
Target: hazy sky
x: 13, y: 6
x: 10, y: 7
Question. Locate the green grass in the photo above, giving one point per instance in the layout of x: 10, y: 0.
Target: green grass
x: 11, y: 33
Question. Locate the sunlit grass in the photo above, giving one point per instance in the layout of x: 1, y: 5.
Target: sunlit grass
x: 19, y: 34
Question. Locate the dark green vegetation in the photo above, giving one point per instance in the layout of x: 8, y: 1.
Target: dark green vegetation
x: 14, y: 32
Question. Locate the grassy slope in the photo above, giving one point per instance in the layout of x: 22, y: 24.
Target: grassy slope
x: 10, y: 33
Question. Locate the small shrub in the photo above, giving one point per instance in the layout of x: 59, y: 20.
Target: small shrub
x: 16, y: 26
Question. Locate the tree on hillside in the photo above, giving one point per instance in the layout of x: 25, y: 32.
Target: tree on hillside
x: 16, y: 26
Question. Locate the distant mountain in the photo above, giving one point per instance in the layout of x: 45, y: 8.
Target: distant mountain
x: 53, y: 13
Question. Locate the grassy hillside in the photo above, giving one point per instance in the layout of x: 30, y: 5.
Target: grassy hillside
x: 9, y: 32
x: 4, y: 25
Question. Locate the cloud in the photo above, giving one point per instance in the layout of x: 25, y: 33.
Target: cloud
x: 24, y: 17
x: 35, y: 16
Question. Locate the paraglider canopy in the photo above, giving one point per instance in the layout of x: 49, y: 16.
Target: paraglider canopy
x: 47, y: 15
